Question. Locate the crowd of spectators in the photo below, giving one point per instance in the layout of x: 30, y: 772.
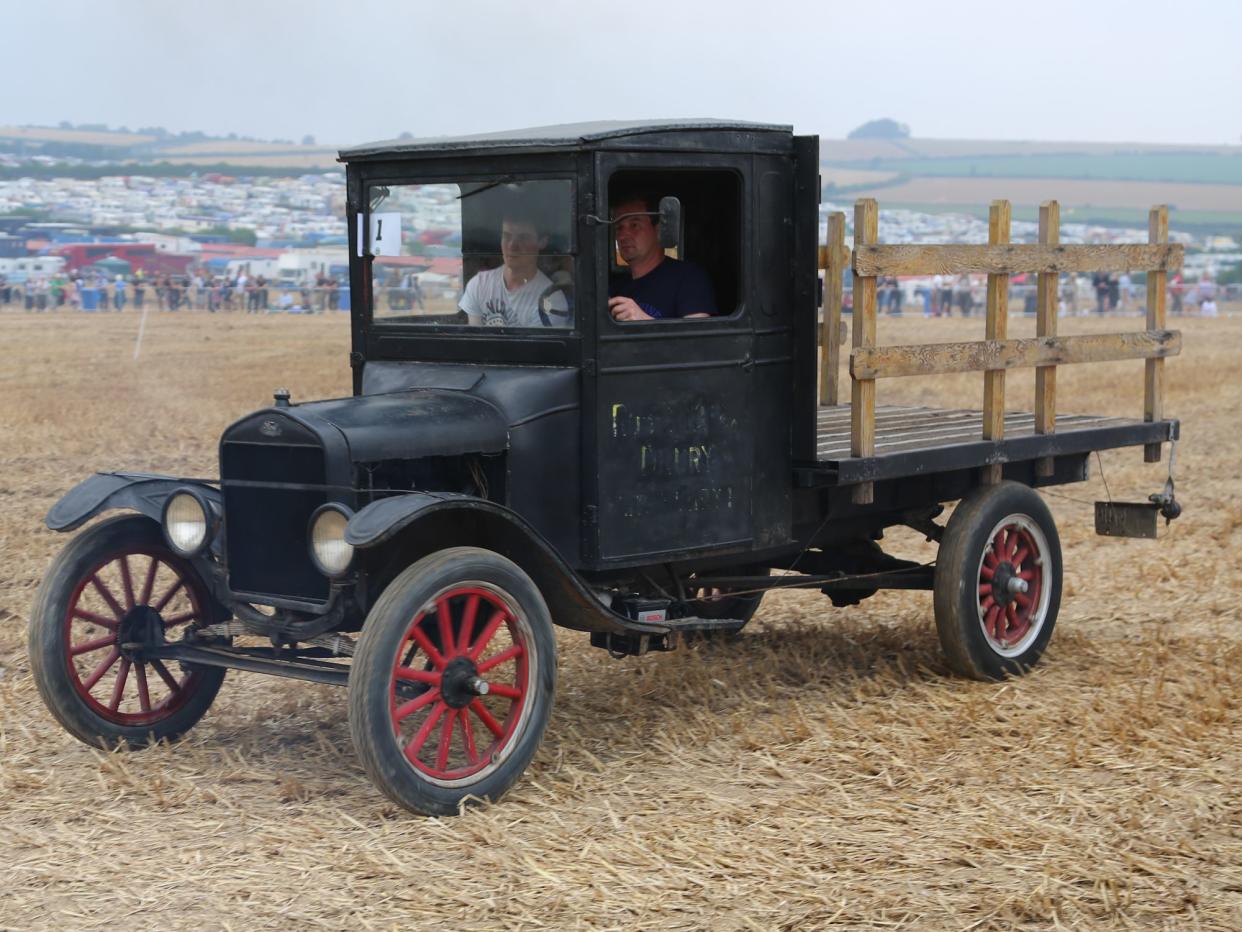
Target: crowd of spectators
x: 196, y: 291
x: 1103, y: 293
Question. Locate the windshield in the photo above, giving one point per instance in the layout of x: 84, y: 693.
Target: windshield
x: 489, y: 254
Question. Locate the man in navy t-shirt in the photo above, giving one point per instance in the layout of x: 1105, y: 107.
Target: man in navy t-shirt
x: 653, y: 286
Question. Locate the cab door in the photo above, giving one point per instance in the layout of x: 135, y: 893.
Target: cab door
x: 678, y: 421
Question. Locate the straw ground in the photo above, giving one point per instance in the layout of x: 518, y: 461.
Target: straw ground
x: 826, y: 770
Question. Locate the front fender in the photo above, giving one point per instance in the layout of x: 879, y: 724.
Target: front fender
x: 379, y: 521
x: 140, y: 492
x: 447, y: 515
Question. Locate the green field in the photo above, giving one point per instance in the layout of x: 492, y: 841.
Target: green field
x: 1194, y: 167
x: 1201, y: 222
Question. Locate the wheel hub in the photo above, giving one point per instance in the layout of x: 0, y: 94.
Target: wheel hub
x: 460, y: 683
x: 1007, y: 584
x: 140, y: 630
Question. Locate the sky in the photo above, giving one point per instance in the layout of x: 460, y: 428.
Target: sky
x: 352, y: 71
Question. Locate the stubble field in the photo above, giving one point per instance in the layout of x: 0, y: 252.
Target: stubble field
x: 826, y: 771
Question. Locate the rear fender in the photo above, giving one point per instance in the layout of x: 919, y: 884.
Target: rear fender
x: 404, y: 528
x: 140, y: 492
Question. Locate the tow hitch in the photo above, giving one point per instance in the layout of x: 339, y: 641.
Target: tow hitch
x: 1138, y: 519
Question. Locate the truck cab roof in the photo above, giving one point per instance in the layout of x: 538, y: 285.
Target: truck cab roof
x: 704, y: 134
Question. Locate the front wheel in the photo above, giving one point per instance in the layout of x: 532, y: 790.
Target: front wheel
x: 998, y: 582
x: 452, y: 681
x: 113, y: 593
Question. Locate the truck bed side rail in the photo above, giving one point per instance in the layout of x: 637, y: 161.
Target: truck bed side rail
x: 995, y: 353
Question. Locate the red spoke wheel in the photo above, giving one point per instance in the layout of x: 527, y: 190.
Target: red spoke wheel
x: 998, y: 582
x: 115, y: 592
x: 452, y: 681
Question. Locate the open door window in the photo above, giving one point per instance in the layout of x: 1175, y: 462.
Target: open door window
x: 709, y: 237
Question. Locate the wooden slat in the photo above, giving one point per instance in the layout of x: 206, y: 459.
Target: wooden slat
x: 862, y: 391
x: 885, y: 413
x: 963, y: 425
x: 1013, y: 259
x: 933, y: 424
x: 844, y: 256
x: 901, y: 415
x: 886, y: 362
x: 913, y: 446
x: 997, y: 327
x: 1153, y: 382
x: 830, y: 343
x: 962, y: 430
x: 839, y: 431
x: 1046, y: 326
x: 1017, y: 424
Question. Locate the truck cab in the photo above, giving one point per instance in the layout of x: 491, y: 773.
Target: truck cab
x: 628, y: 442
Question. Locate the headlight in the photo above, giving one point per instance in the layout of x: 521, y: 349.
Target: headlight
x: 186, y: 523
x: 327, y: 535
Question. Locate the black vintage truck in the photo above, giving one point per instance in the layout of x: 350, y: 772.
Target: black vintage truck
x: 514, y: 458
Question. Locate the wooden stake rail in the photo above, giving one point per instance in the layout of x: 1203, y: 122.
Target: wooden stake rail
x: 886, y: 362
x: 1016, y: 259
x: 998, y: 259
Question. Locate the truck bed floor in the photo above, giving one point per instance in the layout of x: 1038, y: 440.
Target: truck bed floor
x: 916, y: 440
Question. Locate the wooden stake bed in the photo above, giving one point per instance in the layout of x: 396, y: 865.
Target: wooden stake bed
x: 913, y: 441
x: 861, y: 442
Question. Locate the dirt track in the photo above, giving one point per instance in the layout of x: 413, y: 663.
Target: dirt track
x: 825, y: 771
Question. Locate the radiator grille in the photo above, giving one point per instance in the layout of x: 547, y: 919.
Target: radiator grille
x: 266, y: 524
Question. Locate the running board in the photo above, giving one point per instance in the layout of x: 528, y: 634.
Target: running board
x: 635, y: 645
x: 256, y: 661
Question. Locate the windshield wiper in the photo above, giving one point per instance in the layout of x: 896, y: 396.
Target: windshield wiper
x: 486, y: 187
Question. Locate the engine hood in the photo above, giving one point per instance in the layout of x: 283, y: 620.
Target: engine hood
x: 397, y: 425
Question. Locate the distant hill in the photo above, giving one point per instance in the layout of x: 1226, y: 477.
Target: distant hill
x: 1104, y: 182
x: 76, y: 147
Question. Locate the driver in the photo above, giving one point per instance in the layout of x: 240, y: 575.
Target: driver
x: 653, y: 286
x: 508, y: 296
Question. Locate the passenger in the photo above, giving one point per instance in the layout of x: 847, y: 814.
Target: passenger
x: 653, y: 286
x: 508, y: 296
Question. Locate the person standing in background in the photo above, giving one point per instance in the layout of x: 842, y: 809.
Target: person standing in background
x: 946, y: 296
x: 1099, y: 281
x: 965, y: 300
x: 1207, y: 290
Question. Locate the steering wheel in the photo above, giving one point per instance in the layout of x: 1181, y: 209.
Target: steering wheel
x: 564, y: 283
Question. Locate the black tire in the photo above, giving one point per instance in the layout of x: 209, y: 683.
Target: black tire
x: 1000, y: 539
x: 405, y: 689
x: 76, y: 629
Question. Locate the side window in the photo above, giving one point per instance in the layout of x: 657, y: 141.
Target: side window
x: 473, y: 253
x: 699, y: 276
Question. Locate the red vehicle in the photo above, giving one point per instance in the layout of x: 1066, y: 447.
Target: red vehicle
x: 140, y: 256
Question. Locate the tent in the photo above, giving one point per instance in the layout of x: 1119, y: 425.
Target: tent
x: 112, y: 266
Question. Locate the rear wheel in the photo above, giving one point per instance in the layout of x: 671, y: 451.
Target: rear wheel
x: 998, y: 582
x: 453, y: 680
x: 113, y: 592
